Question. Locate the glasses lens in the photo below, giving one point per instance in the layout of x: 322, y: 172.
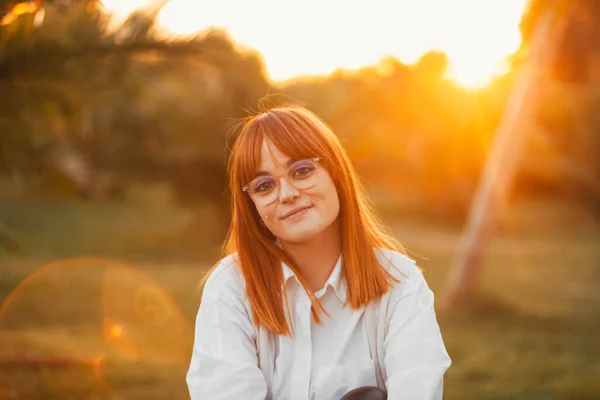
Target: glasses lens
x: 303, y: 174
x: 263, y: 189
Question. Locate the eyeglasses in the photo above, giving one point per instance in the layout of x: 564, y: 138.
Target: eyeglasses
x: 264, y: 190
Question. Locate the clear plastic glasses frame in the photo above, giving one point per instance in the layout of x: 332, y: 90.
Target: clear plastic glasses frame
x: 302, y: 175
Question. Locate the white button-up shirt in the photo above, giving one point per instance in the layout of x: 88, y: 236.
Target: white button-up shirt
x: 320, y: 361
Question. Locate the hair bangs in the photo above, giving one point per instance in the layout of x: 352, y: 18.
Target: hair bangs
x: 248, y: 153
x: 297, y: 135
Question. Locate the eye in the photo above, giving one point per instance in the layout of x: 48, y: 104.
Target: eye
x: 263, y: 186
x: 303, y: 170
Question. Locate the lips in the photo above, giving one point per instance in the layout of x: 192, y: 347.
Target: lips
x: 295, y: 211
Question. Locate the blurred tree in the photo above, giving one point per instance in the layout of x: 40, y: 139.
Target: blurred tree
x: 581, y: 39
x: 503, y: 160
x: 406, y: 127
x: 103, y: 108
x: 90, y: 110
x: 568, y: 119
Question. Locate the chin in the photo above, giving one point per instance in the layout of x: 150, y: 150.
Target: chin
x: 300, y: 237
x: 299, y: 234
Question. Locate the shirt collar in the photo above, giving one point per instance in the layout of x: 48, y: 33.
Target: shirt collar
x: 336, y: 280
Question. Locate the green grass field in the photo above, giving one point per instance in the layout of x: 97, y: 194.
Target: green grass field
x: 100, y: 303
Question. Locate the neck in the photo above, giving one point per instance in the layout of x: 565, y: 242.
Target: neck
x: 317, y: 257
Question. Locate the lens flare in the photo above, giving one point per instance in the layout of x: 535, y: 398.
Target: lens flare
x: 84, y: 313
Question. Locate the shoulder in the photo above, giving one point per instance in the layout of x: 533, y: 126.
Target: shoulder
x: 403, y: 268
x: 225, y: 278
x: 397, y: 264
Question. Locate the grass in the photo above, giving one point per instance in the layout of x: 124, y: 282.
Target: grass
x: 118, y: 323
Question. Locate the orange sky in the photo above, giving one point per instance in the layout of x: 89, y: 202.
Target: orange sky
x: 315, y: 37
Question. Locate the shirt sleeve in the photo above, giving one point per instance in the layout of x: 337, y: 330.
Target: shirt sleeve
x: 415, y: 356
x: 224, y: 363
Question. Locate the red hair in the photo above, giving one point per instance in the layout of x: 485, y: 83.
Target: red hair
x: 299, y: 134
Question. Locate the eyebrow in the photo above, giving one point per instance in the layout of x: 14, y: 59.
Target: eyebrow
x: 288, y: 164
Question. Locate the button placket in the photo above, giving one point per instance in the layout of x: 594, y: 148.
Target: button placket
x: 303, y: 352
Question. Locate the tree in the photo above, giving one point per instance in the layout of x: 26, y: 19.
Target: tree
x: 94, y: 105
x: 568, y: 118
x: 501, y: 164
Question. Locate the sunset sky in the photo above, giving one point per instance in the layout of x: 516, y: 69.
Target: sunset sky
x: 316, y: 37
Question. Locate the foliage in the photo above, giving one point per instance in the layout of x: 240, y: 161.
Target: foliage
x: 565, y: 140
x: 92, y: 110
x: 411, y: 130
x: 116, y: 106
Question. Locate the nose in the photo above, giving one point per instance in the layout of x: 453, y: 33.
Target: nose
x: 287, y: 191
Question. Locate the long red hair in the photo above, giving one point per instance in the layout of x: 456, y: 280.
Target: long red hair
x: 299, y: 134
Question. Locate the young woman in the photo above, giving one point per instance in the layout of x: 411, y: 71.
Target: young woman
x: 313, y: 300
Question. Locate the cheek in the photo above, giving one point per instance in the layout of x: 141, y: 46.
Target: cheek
x: 330, y: 202
x: 266, y: 214
x: 333, y: 204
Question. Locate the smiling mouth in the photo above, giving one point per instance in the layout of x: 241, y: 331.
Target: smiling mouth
x: 300, y: 211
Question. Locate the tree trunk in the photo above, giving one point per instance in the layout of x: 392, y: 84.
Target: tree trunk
x: 501, y: 163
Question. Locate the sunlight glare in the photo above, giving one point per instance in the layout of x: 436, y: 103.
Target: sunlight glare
x: 122, y: 8
x: 116, y: 330
x: 320, y: 37
x: 488, y: 33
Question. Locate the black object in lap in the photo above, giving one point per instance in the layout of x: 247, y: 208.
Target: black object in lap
x: 366, y: 393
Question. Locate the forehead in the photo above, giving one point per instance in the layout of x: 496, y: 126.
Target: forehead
x: 271, y: 157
